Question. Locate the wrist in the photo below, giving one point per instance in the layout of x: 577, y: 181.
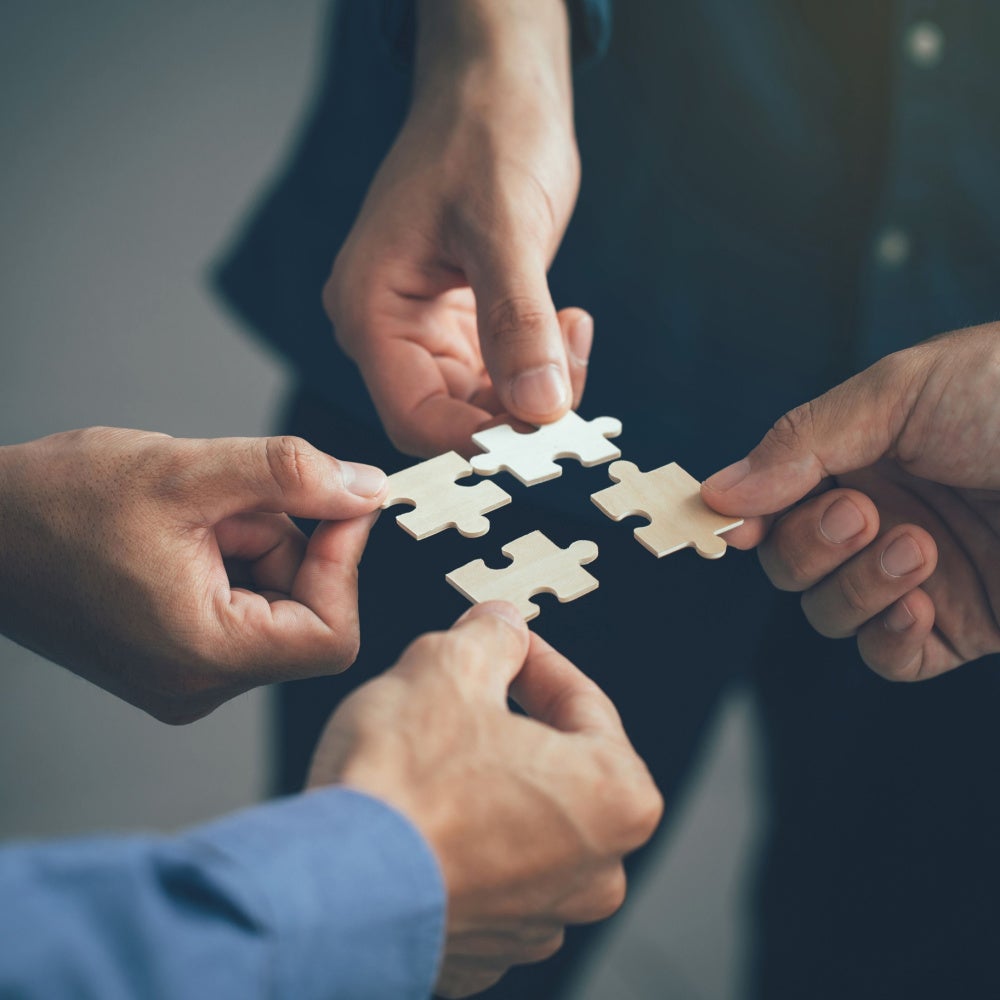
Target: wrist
x: 487, y: 54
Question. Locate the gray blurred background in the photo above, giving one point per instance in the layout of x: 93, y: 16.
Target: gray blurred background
x: 133, y: 136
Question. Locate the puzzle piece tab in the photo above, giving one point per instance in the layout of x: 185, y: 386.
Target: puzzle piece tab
x: 671, y: 499
x: 530, y: 457
x: 538, y: 566
x: 439, y: 502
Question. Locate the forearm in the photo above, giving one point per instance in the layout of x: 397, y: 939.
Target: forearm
x: 330, y: 893
x: 495, y: 53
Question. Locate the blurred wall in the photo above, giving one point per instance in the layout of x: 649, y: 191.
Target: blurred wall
x: 133, y: 134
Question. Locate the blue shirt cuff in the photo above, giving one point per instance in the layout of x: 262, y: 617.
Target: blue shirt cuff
x: 355, y: 896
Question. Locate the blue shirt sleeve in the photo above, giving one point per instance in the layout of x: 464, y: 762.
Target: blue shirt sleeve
x: 331, y: 894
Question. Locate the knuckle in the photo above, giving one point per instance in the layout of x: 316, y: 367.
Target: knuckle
x: 171, y: 479
x: 640, y: 813
x: 895, y: 670
x: 633, y: 799
x: 609, y: 893
x: 784, y: 561
x: 291, y: 460
x: 853, y: 596
x: 818, y: 617
x: 430, y: 647
x: 517, y: 320
x: 343, y: 648
x: 795, y: 426
x: 463, y: 652
x: 648, y: 811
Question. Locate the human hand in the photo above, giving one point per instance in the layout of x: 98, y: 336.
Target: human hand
x: 901, y: 546
x: 529, y: 816
x: 167, y: 571
x: 440, y: 293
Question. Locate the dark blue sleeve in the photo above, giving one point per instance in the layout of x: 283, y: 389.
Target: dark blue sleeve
x: 590, y: 22
x: 328, y: 894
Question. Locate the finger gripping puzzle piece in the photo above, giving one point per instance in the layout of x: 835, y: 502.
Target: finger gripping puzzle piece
x: 671, y: 499
x: 439, y: 502
x: 530, y: 457
x: 538, y: 566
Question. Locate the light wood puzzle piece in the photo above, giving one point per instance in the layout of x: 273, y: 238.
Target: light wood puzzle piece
x: 671, y: 499
x: 538, y: 566
x: 530, y: 457
x: 439, y: 502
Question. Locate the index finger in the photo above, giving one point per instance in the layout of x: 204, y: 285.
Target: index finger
x: 554, y: 691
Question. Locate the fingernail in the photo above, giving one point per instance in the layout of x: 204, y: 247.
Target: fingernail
x: 841, y: 521
x: 540, y: 390
x: 362, y: 480
x: 499, y: 609
x: 902, y: 557
x: 898, y: 618
x: 580, y: 339
x: 727, y: 478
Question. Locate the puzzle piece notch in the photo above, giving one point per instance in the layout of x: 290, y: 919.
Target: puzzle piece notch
x: 538, y: 566
x: 439, y: 502
x: 671, y: 499
x: 531, y: 457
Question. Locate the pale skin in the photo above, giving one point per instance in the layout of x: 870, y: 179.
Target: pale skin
x: 169, y: 572
x: 880, y: 502
x: 440, y: 293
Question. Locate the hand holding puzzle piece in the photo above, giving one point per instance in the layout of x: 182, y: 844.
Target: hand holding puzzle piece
x: 668, y: 496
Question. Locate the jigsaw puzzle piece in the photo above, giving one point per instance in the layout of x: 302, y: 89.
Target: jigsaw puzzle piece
x: 538, y: 566
x: 531, y: 457
x: 439, y: 502
x: 671, y: 499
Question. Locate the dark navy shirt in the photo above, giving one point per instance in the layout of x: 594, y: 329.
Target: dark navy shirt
x: 775, y: 193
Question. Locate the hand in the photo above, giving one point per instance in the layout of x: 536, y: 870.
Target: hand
x: 440, y: 292
x: 901, y: 546
x: 167, y: 571
x: 529, y: 817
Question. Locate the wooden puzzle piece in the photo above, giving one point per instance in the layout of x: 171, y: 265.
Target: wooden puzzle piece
x: 538, y: 566
x: 439, y: 502
x: 671, y: 499
x: 530, y: 457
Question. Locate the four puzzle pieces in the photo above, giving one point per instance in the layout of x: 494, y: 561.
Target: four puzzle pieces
x: 671, y: 499
x: 530, y: 457
x: 538, y: 566
x: 439, y: 502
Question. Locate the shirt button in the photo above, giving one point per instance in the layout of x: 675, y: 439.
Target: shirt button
x: 924, y: 44
x: 892, y: 248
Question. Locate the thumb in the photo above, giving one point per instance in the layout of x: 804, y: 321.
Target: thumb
x: 850, y: 427
x: 482, y: 651
x: 519, y: 333
x: 287, y: 475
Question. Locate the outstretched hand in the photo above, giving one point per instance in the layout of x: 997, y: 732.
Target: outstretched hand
x: 880, y: 502
x: 168, y: 571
